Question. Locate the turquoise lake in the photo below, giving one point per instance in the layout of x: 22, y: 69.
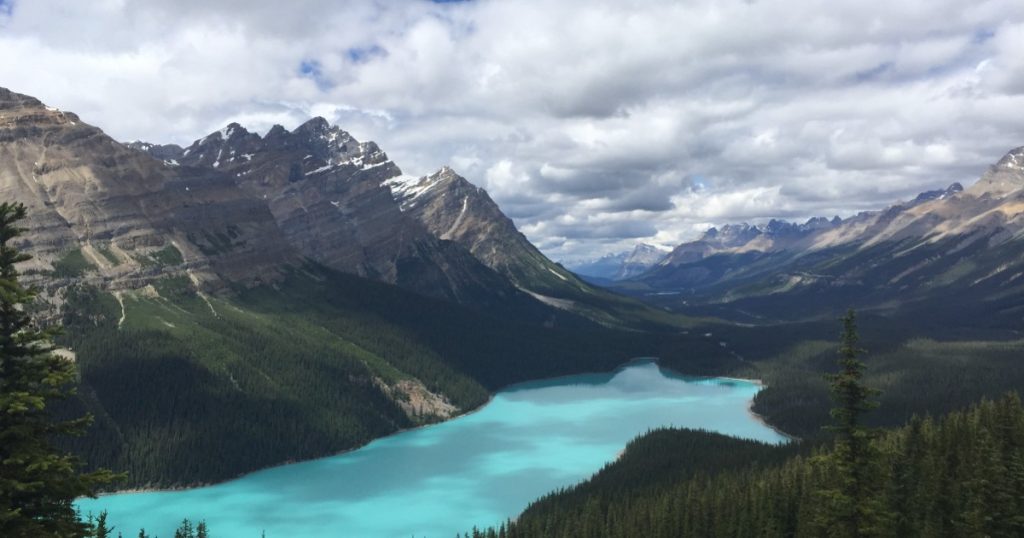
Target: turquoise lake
x: 479, y: 469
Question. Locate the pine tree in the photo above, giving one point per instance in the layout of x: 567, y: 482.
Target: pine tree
x: 185, y: 530
x: 853, y: 504
x: 37, y: 483
x: 101, y: 530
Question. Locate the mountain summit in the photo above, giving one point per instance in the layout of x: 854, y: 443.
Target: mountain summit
x: 327, y: 194
x: 453, y: 209
x: 1002, y: 178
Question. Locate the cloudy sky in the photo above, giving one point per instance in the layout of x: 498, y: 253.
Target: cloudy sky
x: 594, y: 124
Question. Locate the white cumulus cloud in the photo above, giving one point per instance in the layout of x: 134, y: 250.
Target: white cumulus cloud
x: 595, y: 124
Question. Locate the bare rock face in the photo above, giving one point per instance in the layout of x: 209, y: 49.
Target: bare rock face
x: 168, y: 153
x: 642, y: 258
x: 453, y: 209
x: 127, y: 218
x: 236, y: 207
x: 327, y: 193
x: 1004, y: 177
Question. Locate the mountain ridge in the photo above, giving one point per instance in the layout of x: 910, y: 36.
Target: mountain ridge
x: 621, y: 265
x: 947, y: 242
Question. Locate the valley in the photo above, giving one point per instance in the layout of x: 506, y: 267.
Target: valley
x: 254, y: 300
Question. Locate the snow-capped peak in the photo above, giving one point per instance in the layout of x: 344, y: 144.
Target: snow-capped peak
x: 406, y: 189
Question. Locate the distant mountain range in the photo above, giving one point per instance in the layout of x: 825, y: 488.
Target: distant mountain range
x: 622, y: 265
x: 952, y: 251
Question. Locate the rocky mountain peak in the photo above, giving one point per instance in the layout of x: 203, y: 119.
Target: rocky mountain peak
x: 642, y: 258
x: 938, y: 194
x: 1002, y: 178
x: 820, y: 223
x: 316, y: 125
x: 277, y: 132
x: 233, y: 130
x: 168, y: 153
x: 22, y: 115
x: 647, y: 255
x: 9, y: 99
x: 1014, y: 160
x: 408, y: 190
x: 315, y: 147
x: 731, y: 235
x: 622, y: 265
x: 108, y: 204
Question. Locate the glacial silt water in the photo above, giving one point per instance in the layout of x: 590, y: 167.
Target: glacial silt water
x: 479, y: 469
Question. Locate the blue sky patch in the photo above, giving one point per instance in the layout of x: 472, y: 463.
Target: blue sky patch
x: 874, y: 72
x: 311, y: 69
x: 364, y: 54
x: 983, y: 35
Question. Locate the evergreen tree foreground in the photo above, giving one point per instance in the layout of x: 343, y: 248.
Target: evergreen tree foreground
x: 38, y: 484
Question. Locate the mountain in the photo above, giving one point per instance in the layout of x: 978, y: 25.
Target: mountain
x: 775, y: 235
x: 453, y: 209
x: 622, y: 265
x: 642, y: 258
x: 168, y: 153
x: 104, y: 212
x: 259, y: 299
x: 602, y: 269
x: 327, y: 194
x: 951, y: 246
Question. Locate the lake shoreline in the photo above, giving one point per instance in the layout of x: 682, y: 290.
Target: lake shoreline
x: 132, y: 491
x: 490, y: 398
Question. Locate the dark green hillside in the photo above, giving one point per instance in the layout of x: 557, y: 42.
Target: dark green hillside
x: 961, y: 475
x: 919, y: 367
x: 970, y: 280
x: 188, y: 388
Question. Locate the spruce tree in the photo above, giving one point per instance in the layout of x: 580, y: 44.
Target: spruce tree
x: 37, y: 483
x: 101, y: 530
x: 852, y: 505
x: 185, y: 530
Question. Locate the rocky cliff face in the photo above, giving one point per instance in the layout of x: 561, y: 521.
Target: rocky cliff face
x: 327, y: 194
x: 602, y: 269
x: 773, y: 236
x: 622, y: 265
x: 117, y: 217
x: 453, y: 209
x: 640, y: 260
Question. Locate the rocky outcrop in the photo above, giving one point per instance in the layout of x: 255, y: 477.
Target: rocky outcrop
x: 453, y: 209
x: 121, y: 218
